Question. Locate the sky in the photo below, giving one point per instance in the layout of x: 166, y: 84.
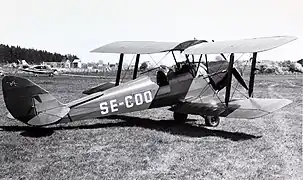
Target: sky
x: 79, y: 26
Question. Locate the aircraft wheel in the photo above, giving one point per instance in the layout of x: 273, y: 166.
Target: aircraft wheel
x: 180, y: 117
x: 212, y: 121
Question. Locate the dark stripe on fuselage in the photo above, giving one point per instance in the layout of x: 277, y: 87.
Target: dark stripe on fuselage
x: 86, y: 101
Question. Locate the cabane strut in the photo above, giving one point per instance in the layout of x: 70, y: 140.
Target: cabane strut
x: 119, y: 69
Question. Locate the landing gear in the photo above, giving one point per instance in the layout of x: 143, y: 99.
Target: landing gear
x: 212, y: 121
x: 180, y: 117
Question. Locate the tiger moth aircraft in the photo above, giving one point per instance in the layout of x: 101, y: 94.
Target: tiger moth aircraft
x: 192, y: 87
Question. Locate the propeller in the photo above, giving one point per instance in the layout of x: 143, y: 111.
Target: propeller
x: 236, y: 74
x: 239, y: 78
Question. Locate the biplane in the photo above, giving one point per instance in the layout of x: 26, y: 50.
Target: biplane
x: 191, y: 87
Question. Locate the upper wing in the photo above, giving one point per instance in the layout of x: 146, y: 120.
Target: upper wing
x: 196, y: 46
x: 136, y: 47
x: 240, y: 46
x: 145, y: 47
x: 49, y: 116
x: 245, y: 108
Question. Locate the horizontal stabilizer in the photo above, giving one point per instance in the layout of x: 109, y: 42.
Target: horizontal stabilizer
x: 49, y: 117
x: 99, y: 88
x: 255, y: 107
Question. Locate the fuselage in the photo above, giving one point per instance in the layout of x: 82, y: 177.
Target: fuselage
x: 38, y: 69
x: 136, y: 95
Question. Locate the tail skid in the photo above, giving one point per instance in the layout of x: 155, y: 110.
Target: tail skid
x: 31, y: 104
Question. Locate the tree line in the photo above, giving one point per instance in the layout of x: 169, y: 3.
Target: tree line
x: 14, y: 54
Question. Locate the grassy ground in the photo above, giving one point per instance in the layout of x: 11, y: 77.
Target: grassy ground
x: 149, y: 145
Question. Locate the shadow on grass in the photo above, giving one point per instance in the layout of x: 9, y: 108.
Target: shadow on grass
x: 168, y: 126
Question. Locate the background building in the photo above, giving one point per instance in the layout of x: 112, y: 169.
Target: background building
x: 77, y: 63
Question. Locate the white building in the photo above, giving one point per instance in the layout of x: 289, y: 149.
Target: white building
x: 66, y: 64
x: 77, y: 63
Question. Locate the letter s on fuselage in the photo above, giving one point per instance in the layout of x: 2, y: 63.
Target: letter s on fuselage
x: 104, y: 108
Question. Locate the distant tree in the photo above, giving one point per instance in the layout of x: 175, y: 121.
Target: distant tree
x: 296, y: 67
x: 13, y: 54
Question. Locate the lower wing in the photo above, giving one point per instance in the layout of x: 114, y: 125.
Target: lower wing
x: 242, y: 108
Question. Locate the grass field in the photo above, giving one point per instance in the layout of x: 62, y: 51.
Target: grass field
x: 149, y: 145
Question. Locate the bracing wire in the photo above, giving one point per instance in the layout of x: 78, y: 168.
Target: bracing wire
x: 152, y: 59
x: 156, y: 63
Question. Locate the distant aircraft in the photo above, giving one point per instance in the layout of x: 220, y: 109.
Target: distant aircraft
x: 37, y: 69
x: 190, y: 88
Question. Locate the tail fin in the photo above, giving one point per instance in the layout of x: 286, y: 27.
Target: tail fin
x: 31, y: 104
x: 23, y: 62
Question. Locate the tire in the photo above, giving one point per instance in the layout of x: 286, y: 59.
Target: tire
x: 180, y: 117
x: 212, y: 121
